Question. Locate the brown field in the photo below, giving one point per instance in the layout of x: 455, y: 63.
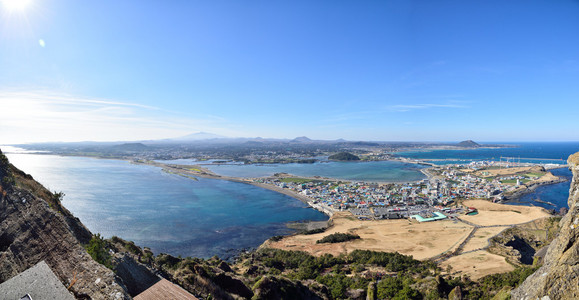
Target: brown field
x: 509, y: 171
x: 421, y: 240
x: 500, y: 214
x: 481, y: 237
x: 478, y: 264
x: 547, y: 177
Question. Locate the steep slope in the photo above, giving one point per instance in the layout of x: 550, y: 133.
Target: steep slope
x: 35, y: 227
x: 558, y: 278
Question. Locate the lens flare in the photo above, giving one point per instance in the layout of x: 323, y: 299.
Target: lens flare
x: 15, y: 5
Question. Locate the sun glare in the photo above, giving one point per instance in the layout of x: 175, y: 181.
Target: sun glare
x: 15, y: 5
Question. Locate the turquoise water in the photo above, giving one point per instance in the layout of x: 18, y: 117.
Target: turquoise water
x: 166, y: 212
x: 375, y: 171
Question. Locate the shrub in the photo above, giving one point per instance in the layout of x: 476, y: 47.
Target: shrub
x: 98, y: 250
x: 338, y: 238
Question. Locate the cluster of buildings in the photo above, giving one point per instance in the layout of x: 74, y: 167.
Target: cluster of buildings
x: 427, y: 199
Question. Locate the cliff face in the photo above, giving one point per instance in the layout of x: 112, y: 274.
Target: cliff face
x: 35, y: 227
x: 558, y: 278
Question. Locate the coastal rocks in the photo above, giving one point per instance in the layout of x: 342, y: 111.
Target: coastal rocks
x: 31, y: 231
x: 558, y: 277
x: 455, y: 294
x: 136, y: 276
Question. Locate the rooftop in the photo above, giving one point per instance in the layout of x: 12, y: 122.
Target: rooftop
x: 39, y: 282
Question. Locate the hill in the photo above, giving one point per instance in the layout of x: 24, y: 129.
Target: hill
x: 131, y: 147
x: 301, y: 139
x: 344, y: 156
x: 468, y: 144
x: 198, y: 136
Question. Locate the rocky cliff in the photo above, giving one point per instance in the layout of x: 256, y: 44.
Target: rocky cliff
x: 558, y: 278
x: 35, y: 227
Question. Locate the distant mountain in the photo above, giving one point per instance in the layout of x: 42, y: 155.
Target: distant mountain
x: 468, y: 144
x: 199, y: 136
x: 130, y: 147
x: 301, y: 139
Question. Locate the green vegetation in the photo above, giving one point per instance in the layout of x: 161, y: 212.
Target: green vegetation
x: 276, y: 238
x: 534, y: 174
x: 344, y: 156
x: 6, y: 177
x: 338, y: 238
x: 388, y: 275
x: 98, y: 250
x: 398, y: 287
x: 492, y: 284
x: 313, y: 231
x: 513, y: 181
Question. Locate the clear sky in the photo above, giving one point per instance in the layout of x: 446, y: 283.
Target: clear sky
x: 360, y: 70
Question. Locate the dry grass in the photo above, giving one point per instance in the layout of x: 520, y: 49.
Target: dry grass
x: 500, y: 214
x: 509, y: 171
x: 481, y: 237
x: 421, y: 240
x: 478, y: 264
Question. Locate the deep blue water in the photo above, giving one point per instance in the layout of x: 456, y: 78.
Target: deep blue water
x: 165, y: 212
x: 375, y: 171
x: 556, y: 194
x: 553, y: 150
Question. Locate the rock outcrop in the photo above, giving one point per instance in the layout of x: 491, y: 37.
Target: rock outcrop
x: 558, y: 278
x: 35, y: 227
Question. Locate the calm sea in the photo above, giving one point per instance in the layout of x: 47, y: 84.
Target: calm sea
x: 559, y: 151
x: 375, y: 171
x: 166, y: 212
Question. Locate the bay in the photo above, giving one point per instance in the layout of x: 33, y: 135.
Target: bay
x: 166, y: 212
x: 374, y: 171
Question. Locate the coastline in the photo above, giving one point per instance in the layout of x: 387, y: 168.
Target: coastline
x: 529, y: 189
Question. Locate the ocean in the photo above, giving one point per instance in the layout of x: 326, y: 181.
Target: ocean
x: 166, y: 212
x: 553, y: 152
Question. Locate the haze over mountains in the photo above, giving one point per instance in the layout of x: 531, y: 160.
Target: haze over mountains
x: 215, y: 138
x: 206, y: 138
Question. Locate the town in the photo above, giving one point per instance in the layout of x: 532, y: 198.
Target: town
x: 430, y: 199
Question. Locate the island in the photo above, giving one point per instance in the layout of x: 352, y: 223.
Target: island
x: 344, y: 156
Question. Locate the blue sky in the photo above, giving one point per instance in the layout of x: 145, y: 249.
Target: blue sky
x: 359, y: 70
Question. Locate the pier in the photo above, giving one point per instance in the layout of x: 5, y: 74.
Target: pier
x: 530, y: 158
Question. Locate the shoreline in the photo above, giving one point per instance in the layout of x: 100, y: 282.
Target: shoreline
x: 531, y: 188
